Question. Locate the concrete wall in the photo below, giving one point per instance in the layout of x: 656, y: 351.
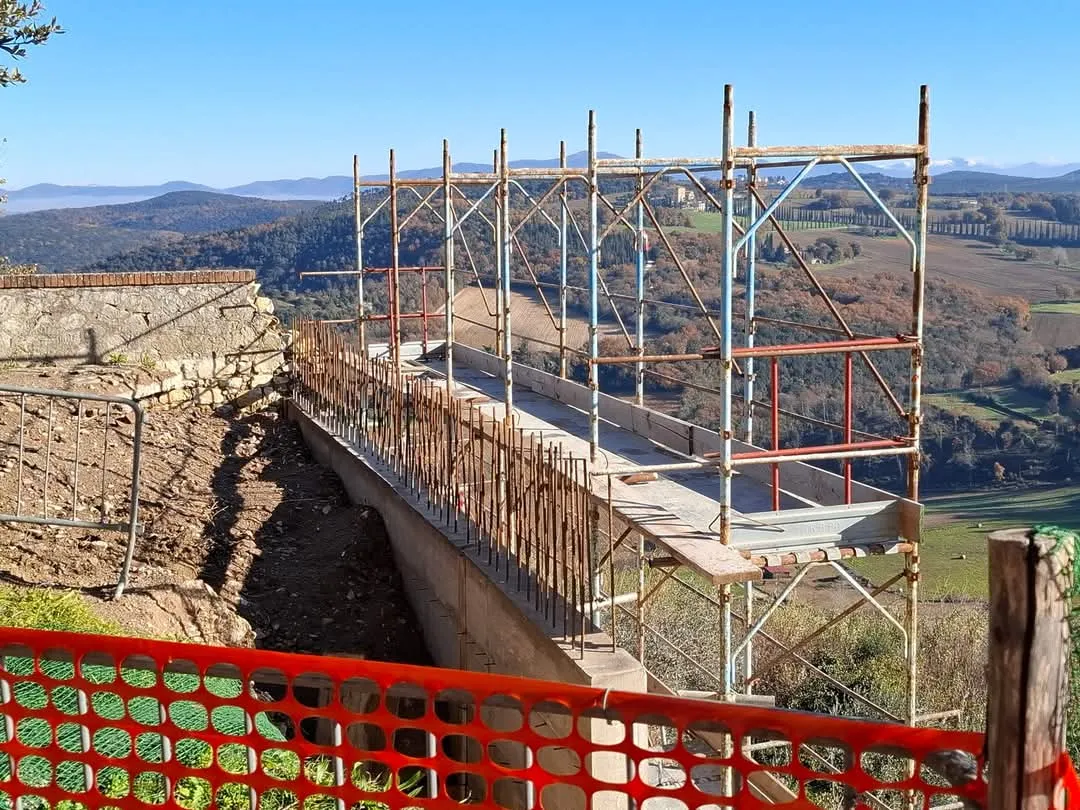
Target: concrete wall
x: 208, y: 334
x: 471, y: 618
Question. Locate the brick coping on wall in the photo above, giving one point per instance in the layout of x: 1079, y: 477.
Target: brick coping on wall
x: 171, y: 278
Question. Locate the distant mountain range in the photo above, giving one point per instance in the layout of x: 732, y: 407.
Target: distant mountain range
x: 955, y: 182
x: 64, y: 239
x: 49, y: 195
x: 900, y: 168
x: 952, y: 176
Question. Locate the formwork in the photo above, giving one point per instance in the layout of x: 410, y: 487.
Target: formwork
x: 704, y: 508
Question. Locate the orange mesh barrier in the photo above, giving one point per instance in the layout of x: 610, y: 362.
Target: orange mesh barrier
x: 93, y: 721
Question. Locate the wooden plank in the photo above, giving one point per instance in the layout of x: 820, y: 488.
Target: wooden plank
x: 699, y: 550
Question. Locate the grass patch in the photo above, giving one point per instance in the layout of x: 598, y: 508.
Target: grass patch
x: 711, y: 221
x: 1019, y: 401
x: 952, y: 562
x: 1069, y: 375
x: 958, y: 404
x: 957, y: 533
x: 992, y: 404
x: 864, y: 651
x: 45, y: 609
x: 1057, y: 307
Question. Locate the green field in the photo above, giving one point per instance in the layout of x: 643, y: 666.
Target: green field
x: 959, y: 405
x: 1071, y: 375
x: 1057, y: 307
x: 952, y: 530
x: 1011, y: 403
x: 1018, y: 401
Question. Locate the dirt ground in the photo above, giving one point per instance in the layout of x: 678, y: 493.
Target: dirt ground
x: 238, y: 522
x: 955, y: 259
x: 1057, y: 329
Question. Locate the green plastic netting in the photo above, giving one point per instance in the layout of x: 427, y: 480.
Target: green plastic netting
x: 149, y: 745
x: 1071, y: 537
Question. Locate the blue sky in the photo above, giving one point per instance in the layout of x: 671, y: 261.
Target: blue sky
x: 228, y: 91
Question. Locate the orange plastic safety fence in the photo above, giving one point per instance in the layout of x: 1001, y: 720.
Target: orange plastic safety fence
x: 95, y: 721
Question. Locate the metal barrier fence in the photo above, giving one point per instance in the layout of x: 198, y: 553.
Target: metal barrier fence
x: 100, y: 721
x: 59, y: 440
x: 523, y: 503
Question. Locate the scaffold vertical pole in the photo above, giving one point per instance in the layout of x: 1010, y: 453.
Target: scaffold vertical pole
x: 448, y: 334
x: 751, y: 279
x: 849, y: 418
x: 423, y: 311
x: 774, y: 384
x: 505, y: 246
x: 639, y: 309
x: 563, y: 211
x: 641, y: 598
x: 594, y: 304
x: 395, y: 263
x: 748, y: 388
x: 918, y: 267
x: 448, y: 262
x: 361, y: 334
x: 727, y: 270
x: 496, y: 236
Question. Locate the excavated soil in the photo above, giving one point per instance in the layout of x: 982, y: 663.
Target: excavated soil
x: 246, y: 540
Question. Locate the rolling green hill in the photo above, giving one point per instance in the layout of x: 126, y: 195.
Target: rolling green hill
x: 970, y: 331
x: 322, y: 238
x: 64, y: 239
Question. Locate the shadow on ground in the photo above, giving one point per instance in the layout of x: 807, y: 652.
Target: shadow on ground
x: 310, y: 571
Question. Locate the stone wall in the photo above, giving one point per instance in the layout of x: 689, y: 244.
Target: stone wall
x: 206, y: 334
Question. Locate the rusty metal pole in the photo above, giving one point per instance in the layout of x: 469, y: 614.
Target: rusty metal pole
x: 727, y: 271
x: 504, y: 339
x: 496, y: 233
x: 751, y: 289
x: 448, y: 263
x: 563, y: 213
x: 918, y: 270
x: 505, y: 249
x: 1030, y: 590
x: 358, y: 215
x: 639, y: 308
x: 751, y: 278
x: 453, y: 424
x: 423, y: 310
x: 395, y: 263
x: 849, y: 418
x: 594, y: 312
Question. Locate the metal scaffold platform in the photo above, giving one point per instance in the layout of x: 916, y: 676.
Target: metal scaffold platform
x: 728, y: 500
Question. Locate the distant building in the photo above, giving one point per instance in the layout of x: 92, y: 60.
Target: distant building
x: 684, y: 197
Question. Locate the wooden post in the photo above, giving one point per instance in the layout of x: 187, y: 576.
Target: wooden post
x: 1030, y: 584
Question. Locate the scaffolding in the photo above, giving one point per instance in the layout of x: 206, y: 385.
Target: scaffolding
x: 812, y: 518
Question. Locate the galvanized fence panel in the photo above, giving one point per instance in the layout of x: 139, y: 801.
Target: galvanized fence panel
x: 72, y: 459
